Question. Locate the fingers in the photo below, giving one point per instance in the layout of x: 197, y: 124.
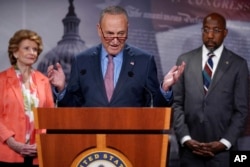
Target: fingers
x: 180, y: 69
x: 192, y: 144
x: 54, y: 71
x: 50, y: 70
x: 173, y: 69
x: 205, y: 149
x: 51, y: 67
x: 203, y: 153
x: 29, y: 150
x: 56, y: 76
x: 23, y: 149
x: 214, y: 147
x: 59, y: 67
x: 198, y: 148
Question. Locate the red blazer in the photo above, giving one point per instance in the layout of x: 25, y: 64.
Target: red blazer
x: 12, y: 117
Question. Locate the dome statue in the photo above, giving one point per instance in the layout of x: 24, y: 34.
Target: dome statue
x: 70, y: 45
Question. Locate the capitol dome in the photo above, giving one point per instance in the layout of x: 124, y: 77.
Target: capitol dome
x: 70, y: 45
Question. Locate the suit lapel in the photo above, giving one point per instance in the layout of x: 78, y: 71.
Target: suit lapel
x: 127, y: 66
x: 97, y: 71
x: 223, y: 65
x: 196, y: 64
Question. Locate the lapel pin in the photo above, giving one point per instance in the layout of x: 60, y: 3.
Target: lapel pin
x: 132, y: 63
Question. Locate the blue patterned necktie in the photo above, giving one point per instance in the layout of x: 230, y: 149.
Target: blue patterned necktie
x: 207, y: 72
x: 109, y: 77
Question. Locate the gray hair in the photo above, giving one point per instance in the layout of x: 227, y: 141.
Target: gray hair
x: 113, y: 10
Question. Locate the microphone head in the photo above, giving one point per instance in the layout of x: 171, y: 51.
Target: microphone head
x: 130, y: 74
x: 83, y: 71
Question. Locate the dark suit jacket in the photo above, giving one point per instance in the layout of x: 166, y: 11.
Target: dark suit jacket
x: 136, y: 84
x: 222, y: 112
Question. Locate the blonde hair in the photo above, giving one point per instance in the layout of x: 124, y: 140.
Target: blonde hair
x: 18, y: 37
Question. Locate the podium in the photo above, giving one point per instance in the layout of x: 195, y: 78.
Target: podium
x: 103, y: 137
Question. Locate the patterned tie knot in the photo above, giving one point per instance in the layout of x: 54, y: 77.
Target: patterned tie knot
x: 110, y: 68
x: 210, y: 54
x: 210, y: 61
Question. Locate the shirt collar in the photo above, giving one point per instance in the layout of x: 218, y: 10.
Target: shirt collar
x: 216, y: 52
x: 118, y: 57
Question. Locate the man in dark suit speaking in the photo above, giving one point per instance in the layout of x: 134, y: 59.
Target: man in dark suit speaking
x: 113, y: 73
x: 210, y: 99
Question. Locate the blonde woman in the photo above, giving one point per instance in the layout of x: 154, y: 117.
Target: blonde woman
x: 22, y: 89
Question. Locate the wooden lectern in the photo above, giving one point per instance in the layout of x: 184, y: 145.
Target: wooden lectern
x: 125, y: 137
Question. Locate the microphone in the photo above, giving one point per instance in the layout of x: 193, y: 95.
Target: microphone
x: 131, y: 74
x: 83, y: 71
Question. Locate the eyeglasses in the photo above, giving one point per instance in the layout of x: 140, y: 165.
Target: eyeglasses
x: 110, y: 38
x: 215, y: 30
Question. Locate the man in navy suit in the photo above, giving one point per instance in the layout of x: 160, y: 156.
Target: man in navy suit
x: 135, y: 73
x: 208, y: 122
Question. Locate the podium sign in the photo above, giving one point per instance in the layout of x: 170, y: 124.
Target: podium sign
x: 108, y: 137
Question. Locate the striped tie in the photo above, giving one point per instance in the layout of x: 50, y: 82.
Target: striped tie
x: 207, y: 72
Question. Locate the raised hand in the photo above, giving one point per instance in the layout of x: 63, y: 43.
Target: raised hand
x: 56, y: 76
x: 172, y: 76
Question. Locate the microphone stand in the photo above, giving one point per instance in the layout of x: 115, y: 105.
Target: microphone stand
x: 131, y: 74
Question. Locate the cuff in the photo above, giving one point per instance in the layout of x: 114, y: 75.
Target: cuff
x: 184, y: 139
x: 226, y: 143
